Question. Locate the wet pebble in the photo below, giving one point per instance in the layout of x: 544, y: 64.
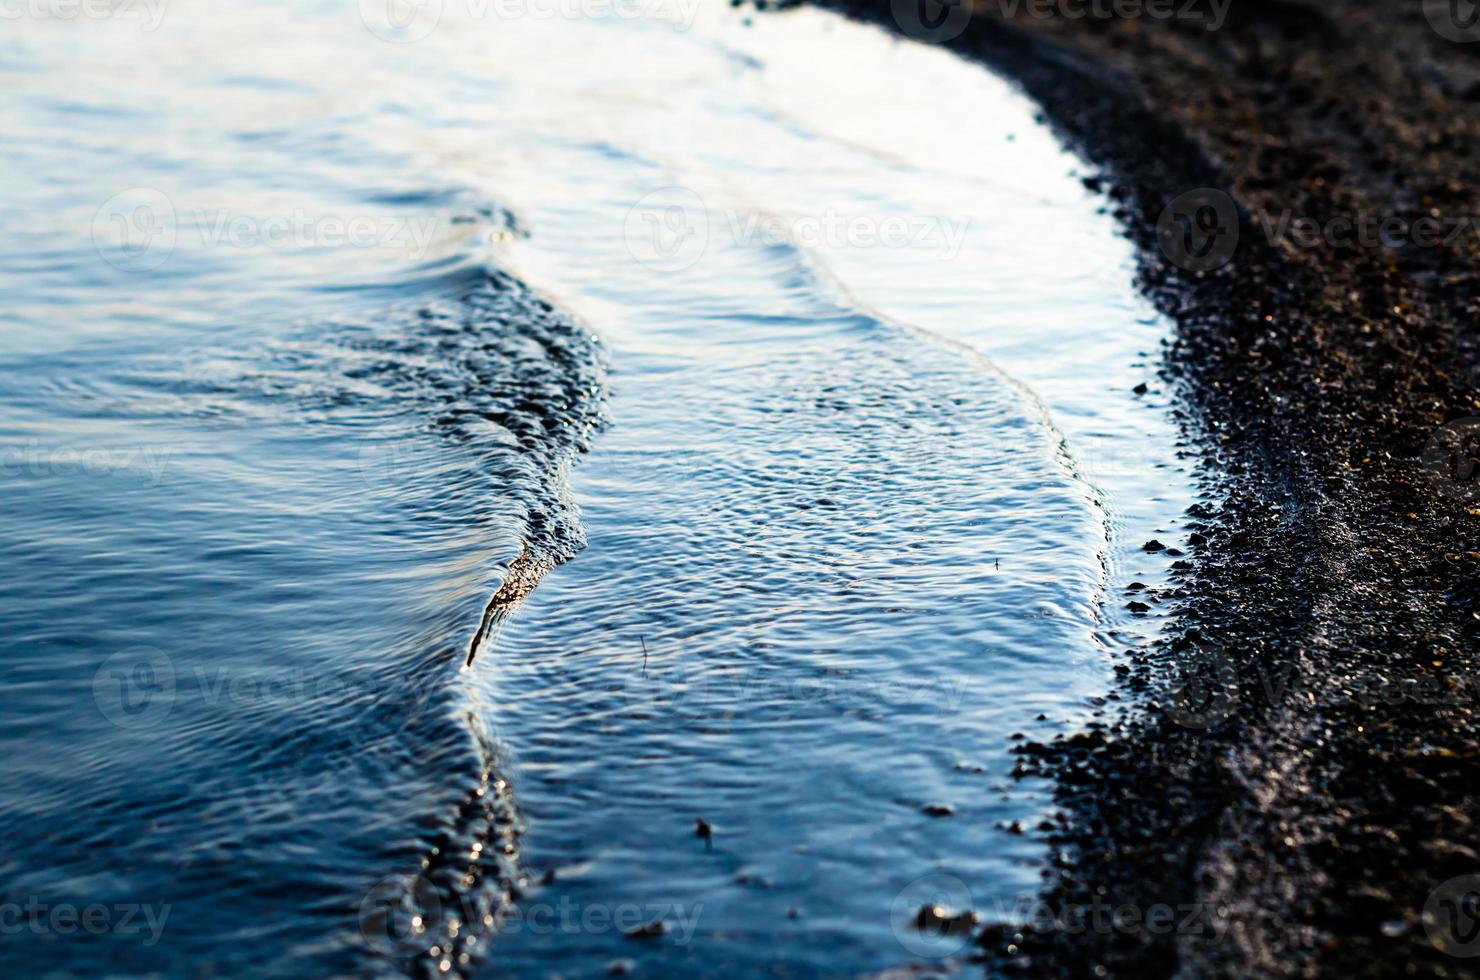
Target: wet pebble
x: 941, y: 920
x: 648, y: 930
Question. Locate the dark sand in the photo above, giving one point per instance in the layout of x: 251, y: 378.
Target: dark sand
x: 1302, y: 759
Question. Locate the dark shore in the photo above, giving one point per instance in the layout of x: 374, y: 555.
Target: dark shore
x: 1301, y: 758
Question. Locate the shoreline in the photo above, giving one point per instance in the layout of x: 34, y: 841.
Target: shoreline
x: 1299, y: 755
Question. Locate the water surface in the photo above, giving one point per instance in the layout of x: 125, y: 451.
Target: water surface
x: 443, y: 463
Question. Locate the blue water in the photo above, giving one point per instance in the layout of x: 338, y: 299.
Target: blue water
x: 444, y: 462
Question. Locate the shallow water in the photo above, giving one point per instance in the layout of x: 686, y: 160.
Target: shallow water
x: 309, y: 325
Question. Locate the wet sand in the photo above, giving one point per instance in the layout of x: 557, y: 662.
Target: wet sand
x: 1294, y: 771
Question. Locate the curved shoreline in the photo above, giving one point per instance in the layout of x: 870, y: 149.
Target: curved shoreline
x: 1299, y: 758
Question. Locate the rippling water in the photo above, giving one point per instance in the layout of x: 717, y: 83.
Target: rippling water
x: 445, y: 459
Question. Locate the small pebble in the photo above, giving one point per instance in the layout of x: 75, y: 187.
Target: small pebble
x: 650, y: 930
